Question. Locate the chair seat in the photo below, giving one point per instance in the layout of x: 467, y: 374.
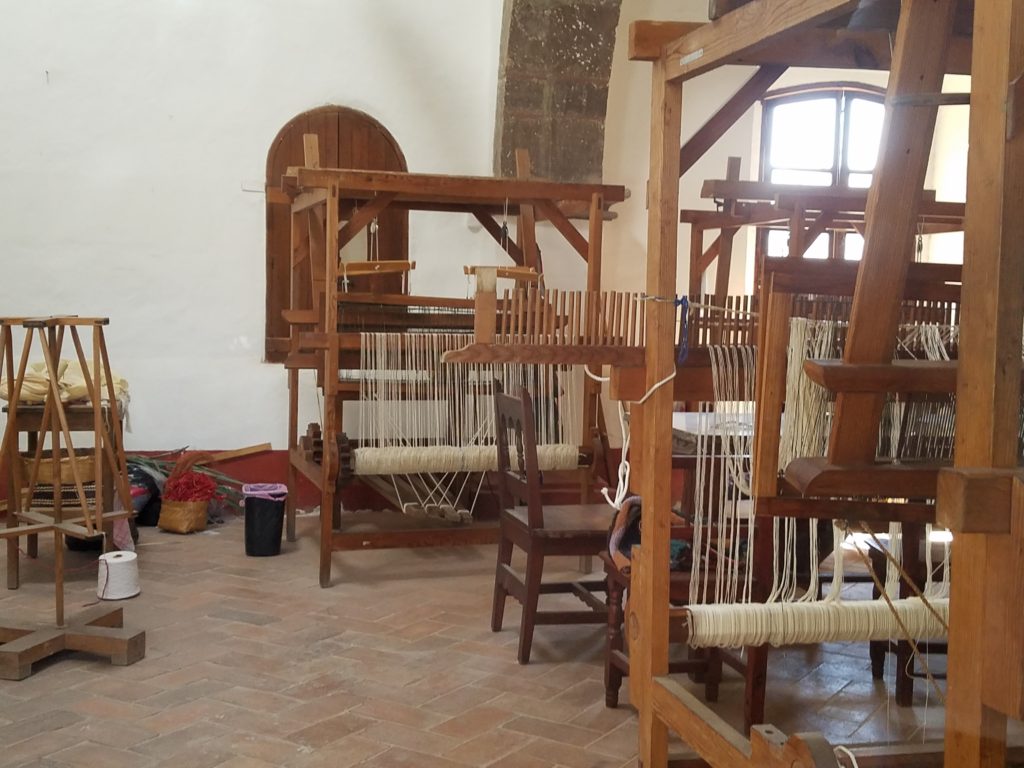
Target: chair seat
x: 567, y: 519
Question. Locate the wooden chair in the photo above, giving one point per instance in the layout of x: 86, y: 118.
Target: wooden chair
x: 704, y: 667
x: 539, y: 530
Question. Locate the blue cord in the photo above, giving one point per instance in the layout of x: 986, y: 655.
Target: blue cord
x: 684, y: 330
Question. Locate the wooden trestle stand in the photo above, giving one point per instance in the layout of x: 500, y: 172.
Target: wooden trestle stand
x: 982, y: 498
x: 100, y: 631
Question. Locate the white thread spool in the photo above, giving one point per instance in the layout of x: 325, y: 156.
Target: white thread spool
x: 118, y: 576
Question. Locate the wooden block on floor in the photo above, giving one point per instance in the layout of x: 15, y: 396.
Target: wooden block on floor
x: 98, y: 632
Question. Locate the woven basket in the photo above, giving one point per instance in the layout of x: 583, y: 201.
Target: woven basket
x: 86, y: 468
x: 183, y: 516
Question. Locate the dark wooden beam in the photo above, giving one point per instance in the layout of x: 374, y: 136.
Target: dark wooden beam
x: 727, y: 115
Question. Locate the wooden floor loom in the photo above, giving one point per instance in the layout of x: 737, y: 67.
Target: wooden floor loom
x: 83, y: 514
x: 979, y: 499
x: 368, y: 341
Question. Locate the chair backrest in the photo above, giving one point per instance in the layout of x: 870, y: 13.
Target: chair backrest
x: 519, y: 475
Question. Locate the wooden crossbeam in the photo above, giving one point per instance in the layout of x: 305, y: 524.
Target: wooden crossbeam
x: 737, y: 105
x: 834, y: 48
x: 472, y: 190
x: 745, y: 30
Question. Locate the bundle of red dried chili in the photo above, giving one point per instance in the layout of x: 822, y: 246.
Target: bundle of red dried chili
x: 189, y: 486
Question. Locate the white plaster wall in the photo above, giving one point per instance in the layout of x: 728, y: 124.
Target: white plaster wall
x: 134, y: 132
x: 129, y: 131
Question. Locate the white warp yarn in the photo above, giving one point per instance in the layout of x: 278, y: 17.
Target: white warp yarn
x: 826, y: 621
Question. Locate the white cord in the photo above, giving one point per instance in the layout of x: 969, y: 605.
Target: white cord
x: 594, y: 376
x: 622, y: 489
x: 842, y: 751
x: 655, y: 388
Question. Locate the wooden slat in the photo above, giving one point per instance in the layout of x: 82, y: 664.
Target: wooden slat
x: 751, y: 27
x: 815, y: 476
x: 919, y: 376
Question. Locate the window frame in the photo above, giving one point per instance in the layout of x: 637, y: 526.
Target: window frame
x: 843, y: 93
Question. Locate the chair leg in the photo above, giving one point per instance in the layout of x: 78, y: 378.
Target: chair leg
x: 500, y: 593
x: 612, y: 674
x: 534, y: 571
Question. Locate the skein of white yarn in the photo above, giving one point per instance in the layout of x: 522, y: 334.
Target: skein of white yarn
x: 118, y: 576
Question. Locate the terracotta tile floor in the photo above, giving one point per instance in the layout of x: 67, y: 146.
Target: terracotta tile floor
x: 250, y: 664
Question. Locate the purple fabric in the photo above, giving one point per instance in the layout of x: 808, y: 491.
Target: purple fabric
x: 269, y: 491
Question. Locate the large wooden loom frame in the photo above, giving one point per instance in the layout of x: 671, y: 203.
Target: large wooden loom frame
x: 986, y: 664
x: 319, y: 200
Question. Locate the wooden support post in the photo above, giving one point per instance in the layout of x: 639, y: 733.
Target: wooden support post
x: 893, y: 203
x: 293, y: 445
x: 332, y: 415
x: 648, y: 619
x: 725, y: 241
x: 486, y: 305
x: 985, y: 669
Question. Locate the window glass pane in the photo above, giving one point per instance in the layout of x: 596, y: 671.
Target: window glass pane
x: 865, y: 134
x: 778, y: 242
x: 778, y: 245
x: 853, y: 246
x: 789, y: 176
x: 859, y: 180
x: 803, y: 134
x: 819, y: 248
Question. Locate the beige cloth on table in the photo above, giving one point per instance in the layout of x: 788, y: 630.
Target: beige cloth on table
x: 70, y: 382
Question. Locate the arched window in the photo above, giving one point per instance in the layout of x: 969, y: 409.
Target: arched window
x: 828, y: 135
x: 348, y: 139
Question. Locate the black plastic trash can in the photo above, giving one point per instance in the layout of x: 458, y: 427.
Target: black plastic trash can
x: 264, y: 518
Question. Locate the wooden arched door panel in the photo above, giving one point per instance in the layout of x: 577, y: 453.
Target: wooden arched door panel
x: 348, y: 139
